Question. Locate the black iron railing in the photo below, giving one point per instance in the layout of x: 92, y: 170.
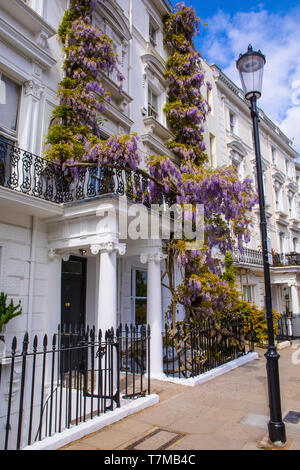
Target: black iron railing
x: 35, y: 176
x: 49, y: 388
x: 169, y: 4
x: 289, y: 327
x: 135, y: 360
x: 191, y: 349
x: 286, y: 259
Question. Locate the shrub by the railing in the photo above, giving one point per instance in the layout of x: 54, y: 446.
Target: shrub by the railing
x: 8, y: 311
x: 255, y: 319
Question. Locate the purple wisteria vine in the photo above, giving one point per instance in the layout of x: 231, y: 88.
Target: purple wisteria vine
x: 227, y: 201
x: 75, y: 134
x: 75, y: 138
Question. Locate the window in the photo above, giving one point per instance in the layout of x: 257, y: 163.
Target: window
x: 152, y: 33
x: 212, y: 143
x: 248, y: 293
x: 139, y: 296
x: 291, y: 202
x: 232, y: 122
x: 210, y: 101
x: 152, y: 104
x: 295, y: 245
x: 9, y: 104
x: 274, y: 156
x: 281, y: 242
x: 277, y: 198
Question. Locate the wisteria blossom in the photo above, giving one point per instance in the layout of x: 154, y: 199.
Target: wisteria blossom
x: 75, y: 134
x: 227, y: 201
x: 74, y: 138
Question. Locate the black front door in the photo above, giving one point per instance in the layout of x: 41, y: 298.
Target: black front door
x: 73, y: 293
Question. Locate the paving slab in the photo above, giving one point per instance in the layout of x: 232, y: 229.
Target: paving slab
x: 228, y: 413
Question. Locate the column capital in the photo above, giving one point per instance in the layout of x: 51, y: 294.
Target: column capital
x: 33, y: 88
x: 109, y: 246
x: 157, y: 257
x: 293, y: 284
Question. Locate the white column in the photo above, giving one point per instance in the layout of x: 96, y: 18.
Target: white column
x: 107, y: 287
x: 31, y: 106
x: 295, y: 299
x: 154, y: 311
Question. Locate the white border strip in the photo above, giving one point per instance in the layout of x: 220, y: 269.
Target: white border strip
x: 200, y: 379
x: 78, y: 432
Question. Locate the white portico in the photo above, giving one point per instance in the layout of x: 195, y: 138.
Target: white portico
x: 89, y: 231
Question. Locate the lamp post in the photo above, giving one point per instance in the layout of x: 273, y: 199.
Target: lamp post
x: 250, y: 66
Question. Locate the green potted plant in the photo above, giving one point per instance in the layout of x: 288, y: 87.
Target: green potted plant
x: 8, y: 311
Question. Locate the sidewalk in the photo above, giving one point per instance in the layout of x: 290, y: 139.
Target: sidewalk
x: 228, y: 413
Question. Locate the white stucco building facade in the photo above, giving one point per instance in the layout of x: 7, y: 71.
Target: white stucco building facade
x: 67, y: 263
x: 229, y: 137
x: 71, y: 263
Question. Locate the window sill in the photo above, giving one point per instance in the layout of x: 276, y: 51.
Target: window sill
x: 155, y: 127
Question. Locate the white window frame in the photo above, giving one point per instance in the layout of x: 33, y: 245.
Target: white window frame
x: 5, y: 131
x: 274, y: 155
x: 134, y: 297
x: 152, y: 111
x: 232, y: 124
x: 249, y: 290
x: 152, y: 32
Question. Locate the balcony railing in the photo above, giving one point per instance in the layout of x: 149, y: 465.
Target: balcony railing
x: 275, y: 259
x: 248, y: 257
x: 169, y: 4
x: 35, y: 176
x: 286, y: 259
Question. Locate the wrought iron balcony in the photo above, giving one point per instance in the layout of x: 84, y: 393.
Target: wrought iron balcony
x: 286, y: 259
x: 169, y: 4
x: 35, y: 176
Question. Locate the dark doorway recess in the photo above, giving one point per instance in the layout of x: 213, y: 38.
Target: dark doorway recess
x: 73, y: 293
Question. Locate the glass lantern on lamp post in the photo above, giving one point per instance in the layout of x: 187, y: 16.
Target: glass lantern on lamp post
x: 251, y: 66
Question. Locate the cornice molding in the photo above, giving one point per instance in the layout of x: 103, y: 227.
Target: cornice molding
x: 28, y: 17
x: 24, y: 45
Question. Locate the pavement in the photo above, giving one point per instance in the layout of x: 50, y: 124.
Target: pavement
x: 228, y: 413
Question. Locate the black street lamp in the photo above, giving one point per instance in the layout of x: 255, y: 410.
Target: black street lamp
x: 250, y: 66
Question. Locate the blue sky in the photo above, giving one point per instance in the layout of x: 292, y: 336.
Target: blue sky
x: 273, y: 27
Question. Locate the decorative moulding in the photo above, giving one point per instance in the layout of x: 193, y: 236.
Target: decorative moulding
x: 156, y: 257
x: 25, y: 46
x: 108, y: 246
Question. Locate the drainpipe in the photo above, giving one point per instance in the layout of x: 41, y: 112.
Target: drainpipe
x: 130, y: 14
x: 32, y: 261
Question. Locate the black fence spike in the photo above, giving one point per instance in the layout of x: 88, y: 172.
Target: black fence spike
x: 14, y: 344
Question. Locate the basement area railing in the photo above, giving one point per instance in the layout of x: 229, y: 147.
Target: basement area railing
x: 289, y: 327
x: 35, y: 176
x: 190, y: 349
x: 51, y: 387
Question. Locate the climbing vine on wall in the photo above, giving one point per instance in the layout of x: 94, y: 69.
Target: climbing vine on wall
x: 75, y: 134
x: 75, y: 137
x: 227, y: 201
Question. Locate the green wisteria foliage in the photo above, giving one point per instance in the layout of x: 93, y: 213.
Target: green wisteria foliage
x: 75, y: 133
x: 74, y: 137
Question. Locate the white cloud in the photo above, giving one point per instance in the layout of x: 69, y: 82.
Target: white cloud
x: 278, y: 37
